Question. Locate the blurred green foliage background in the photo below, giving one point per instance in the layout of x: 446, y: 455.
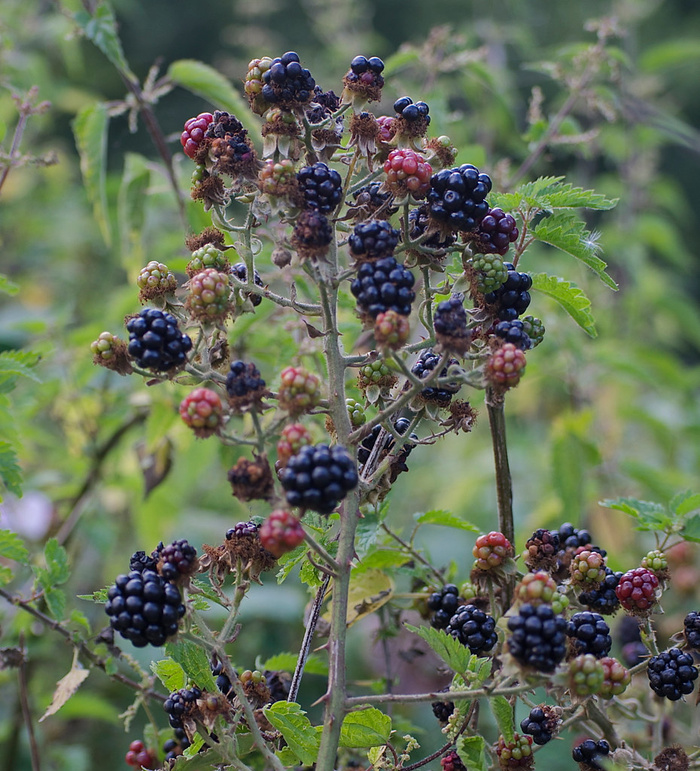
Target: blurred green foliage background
x: 593, y: 419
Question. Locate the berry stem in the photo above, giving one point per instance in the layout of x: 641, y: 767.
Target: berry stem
x: 25, y: 706
x: 327, y: 558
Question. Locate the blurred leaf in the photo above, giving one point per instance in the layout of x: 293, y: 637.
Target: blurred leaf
x: 12, y: 547
x: 6, y: 575
x: 170, y: 673
x: 100, y: 596
x: 649, y: 515
x: 7, y: 286
x: 18, y: 363
x: 287, y: 662
x: 369, y: 590
x: 194, y: 661
x: 446, y: 519
x: 9, y: 470
x: 684, y: 503
x: 288, y: 561
x: 503, y: 712
x: 472, y: 751
x: 101, y: 28
x: 570, y: 297
x: 365, y: 728
x: 195, y: 746
x: 55, y: 600
x: 66, y: 687
x: 56, y: 562
x: 291, y: 721
x: 367, y: 532
x: 382, y: 559
x: 131, y: 207
x: 671, y: 54
x: 566, y: 232
x: 399, y: 60
x: 451, y: 651
x: 90, y: 130
x: 691, y: 529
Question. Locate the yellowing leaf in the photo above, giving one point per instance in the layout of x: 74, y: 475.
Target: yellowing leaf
x: 66, y: 687
x: 369, y: 590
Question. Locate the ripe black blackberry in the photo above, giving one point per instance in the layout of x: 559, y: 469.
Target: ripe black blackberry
x: 419, y: 224
x: 382, y: 286
x: 457, y: 197
x: 436, y: 394
x: 473, y: 628
x: 589, y: 633
x: 287, y: 83
x: 603, y: 599
x: 541, y: 724
x: 177, y: 558
x: 242, y: 529
x: 144, y: 607
x: 318, y: 477
x: 322, y: 105
x: 450, y: 318
x: 691, y: 627
x: 672, y: 673
x: 538, y: 637
x: 513, y: 332
x: 373, y: 240
x: 141, y: 561
x: 365, y: 77
x: 589, y: 753
x: 240, y: 271
x: 322, y: 187
x: 443, y: 604
x: 512, y: 298
x: 571, y: 537
x: 443, y: 709
x: 179, y: 704
x: 411, y: 111
x: 495, y: 233
x: 367, y: 445
x: 223, y: 682
x: 371, y: 201
x: 243, y: 379
x: 155, y: 340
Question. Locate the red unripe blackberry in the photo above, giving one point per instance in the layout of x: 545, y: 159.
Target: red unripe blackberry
x: 440, y: 394
x: 516, y: 753
x: 300, y: 390
x: 209, y: 296
x: 589, y: 633
x: 491, y: 550
x: 193, y: 134
x: 495, y: 233
x: 177, y: 559
x: 287, y: 83
x: 637, y: 591
x: 292, y: 438
x: 473, y: 628
x: 444, y: 604
x: 281, y: 532
x: 407, y: 173
x: 617, y: 678
x: 691, y: 629
x: 387, y: 128
x: 384, y: 285
x: 589, y: 752
x: 240, y: 271
x: 144, y: 608
x: 452, y: 762
x: 372, y: 240
x: 540, y: 587
x: 537, y: 637
x: 243, y: 530
x: 140, y: 757
x: 155, y: 340
x: 506, y: 366
x: 318, y: 477
x: 542, y: 724
x: 321, y: 187
x: 672, y: 674
x: 457, y: 197
x: 202, y: 411
x: 391, y: 329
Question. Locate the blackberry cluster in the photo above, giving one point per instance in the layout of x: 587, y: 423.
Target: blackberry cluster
x: 437, y: 394
x: 411, y: 111
x: 571, y: 537
x: 180, y: 703
x: 223, y: 682
x: 367, y: 445
x: 177, y: 558
x: 691, y: 627
x: 513, y: 332
x: 443, y: 709
x: 155, y: 341
x: 322, y: 187
x: 473, y: 628
x: 243, y: 379
x: 174, y: 747
x: 457, y: 197
x: 538, y: 637
x: 672, y: 673
x: 382, y: 286
x: 589, y: 752
x: 318, y: 477
x: 541, y: 724
x: 541, y: 550
x: 450, y: 317
x: 242, y: 529
x: 603, y: 599
x: 322, y: 105
x: 365, y: 72
x: 141, y: 561
x: 629, y: 639
x: 495, y: 233
x: 286, y: 82
x: 491, y: 272
x: 512, y: 298
x: 589, y: 633
x: 240, y: 271
x: 419, y: 224
x: 373, y: 240
x: 371, y: 199
x: 443, y: 604
x: 144, y: 607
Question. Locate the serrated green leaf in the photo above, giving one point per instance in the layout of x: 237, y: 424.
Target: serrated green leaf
x: 10, y: 472
x: 97, y: 596
x: 56, y: 562
x: 194, y: 661
x: 204, y: 589
x: 446, y: 519
x: 194, y: 748
x: 7, y: 286
x: 309, y: 575
x: 289, y: 561
x: 451, y: 651
x: 503, y: 713
x: 205, y: 81
x: 12, y: 547
x: 380, y: 559
x: 650, y: 515
x: 18, y: 363
x: 365, y: 728
x: 472, y: 751
x: 287, y: 662
x: 367, y: 533
x: 570, y: 297
x: 55, y: 601
x: 101, y: 28
x: 691, y: 529
x: 80, y: 619
x: 170, y: 673
x: 568, y: 233
x: 291, y: 721
x: 684, y: 503
x: 90, y: 131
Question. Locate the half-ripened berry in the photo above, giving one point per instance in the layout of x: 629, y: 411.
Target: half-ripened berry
x: 202, y: 411
x: 299, y: 391
x: 281, y: 532
x: 193, y: 133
